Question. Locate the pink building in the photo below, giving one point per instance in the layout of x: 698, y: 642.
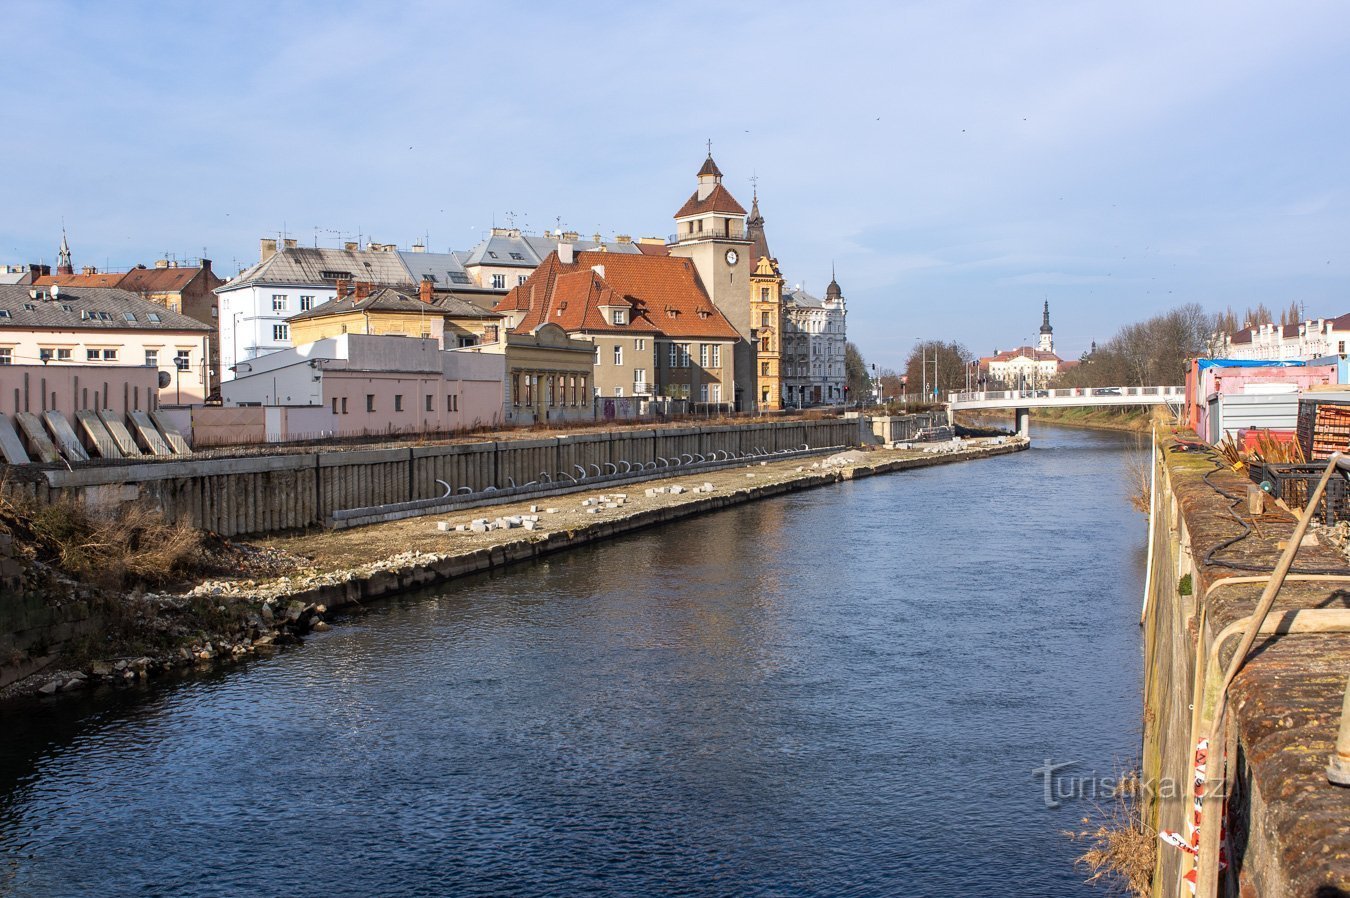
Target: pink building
x: 72, y: 388
x: 358, y: 384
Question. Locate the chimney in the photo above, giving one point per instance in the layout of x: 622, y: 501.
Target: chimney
x: 425, y: 290
x: 88, y: 269
x: 267, y: 249
x: 161, y: 263
x: 362, y: 289
x: 206, y: 265
x: 565, y: 255
x: 571, y: 236
x: 419, y: 247
x: 289, y: 243
x: 625, y: 239
x: 341, y: 288
x: 351, y: 246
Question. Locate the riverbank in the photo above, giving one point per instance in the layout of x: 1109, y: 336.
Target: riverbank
x: 1133, y: 421
x: 258, y: 614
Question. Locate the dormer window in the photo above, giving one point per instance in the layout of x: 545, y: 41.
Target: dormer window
x: 518, y: 257
x: 619, y: 316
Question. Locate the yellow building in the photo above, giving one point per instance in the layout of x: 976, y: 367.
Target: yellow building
x: 450, y: 321
x: 766, y: 312
x: 549, y: 375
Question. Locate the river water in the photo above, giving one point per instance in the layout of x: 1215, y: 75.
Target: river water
x: 838, y: 692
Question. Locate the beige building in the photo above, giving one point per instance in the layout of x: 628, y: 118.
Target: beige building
x: 548, y: 375
x: 56, y: 325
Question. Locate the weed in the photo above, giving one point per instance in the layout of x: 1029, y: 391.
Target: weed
x: 1120, y: 849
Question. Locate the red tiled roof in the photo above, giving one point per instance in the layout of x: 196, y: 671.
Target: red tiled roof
x: 79, y: 280
x: 1242, y: 336
x: 720, y: 200
x: 663, y: 292
x: 159, y: 280
x: 653, y: 249
x: 1025, y: 352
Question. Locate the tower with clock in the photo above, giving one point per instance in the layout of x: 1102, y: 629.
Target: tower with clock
x: 710, y: 231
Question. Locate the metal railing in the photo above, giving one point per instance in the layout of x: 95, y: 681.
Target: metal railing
x: 1069, y: 393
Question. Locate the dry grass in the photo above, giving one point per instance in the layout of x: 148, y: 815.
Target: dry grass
x: 113, y: 549
x: 1119, y: 848
x: 1139, y: 469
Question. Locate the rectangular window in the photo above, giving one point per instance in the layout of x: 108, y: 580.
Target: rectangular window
x: 618, y: 391
x: 370, y: 402
x: 181, y: 360
x: 764, y: 295
x: 639, y: 344
x: 152, y: 358
x: 515, y: 390
x: 46, y: 354
x: 619, y: 316
x: 673, y: 360
x: 716, y: 356
x: 344, y: 405
x: 6, y: 356
x: 703, y: 355
x: 716, y: 392
x: 703, y: 393
x: 91, y: 355
x: 684, y: 354
x: 763, y: 344
x: 1341, y: 348
x: 499, y: 282
x: 278, y: 302
x: 63, y: 355
x: 306, y: 303
x: 335, y: 405
x: 398, y: 402
x: 640, y: 376
x: 110, y: 355
x: 520, y: 279
x: 618, y: 355
x: 764, y: 368
x: 281, y: 332
x: 430, y: 399
x: 763, y: 319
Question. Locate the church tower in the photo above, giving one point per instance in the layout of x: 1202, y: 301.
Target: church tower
x: 63, y: 263
x: 1047, y: 332
x: 710, y: 232
x: 766, y: 311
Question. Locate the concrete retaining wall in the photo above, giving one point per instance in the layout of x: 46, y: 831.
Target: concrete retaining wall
x: 253, y: 495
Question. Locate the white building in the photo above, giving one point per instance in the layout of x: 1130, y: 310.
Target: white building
x: 1312, y: 339
x: 814, y: 338
x: 255, y: 306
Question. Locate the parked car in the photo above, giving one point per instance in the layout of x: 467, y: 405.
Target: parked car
x: 1106, y: 391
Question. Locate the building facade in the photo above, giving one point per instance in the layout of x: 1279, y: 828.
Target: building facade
x: 365, y: 308
x: 54, y: 326
x: 815, y: 335
x: 766, y: 312
x: 654, y: 329
x: 1311, y: 339
x: 363, y: 385
x: 1026, y: 367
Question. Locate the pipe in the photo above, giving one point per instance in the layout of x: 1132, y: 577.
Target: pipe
x: 1338, y: 768
x: 448, y: 489
x: 1207, y: 862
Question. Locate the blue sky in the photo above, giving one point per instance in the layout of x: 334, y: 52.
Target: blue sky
x: 958, y: 161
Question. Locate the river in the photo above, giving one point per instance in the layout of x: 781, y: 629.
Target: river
x: 839, y: 692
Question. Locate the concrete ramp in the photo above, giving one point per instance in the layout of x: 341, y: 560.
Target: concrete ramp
x: 39, y: 445
x: 96, y: 436
x: 171, y: 434
x: 11, y: 447
x: 64, y: 434
x: 147, y: 435
x: 126, y: 443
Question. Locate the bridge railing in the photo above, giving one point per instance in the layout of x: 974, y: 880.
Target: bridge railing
x: 1106, y: 393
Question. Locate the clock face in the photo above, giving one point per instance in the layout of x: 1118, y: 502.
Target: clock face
x: 732, y: 257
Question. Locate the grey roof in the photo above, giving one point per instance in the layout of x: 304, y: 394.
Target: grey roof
x: 304, y: 266
x: 514, y: 250
x: 385, y: 299
x: 87, y: 308
x: 446, y: 270
x: 802, y: 299
x: 13, y: 277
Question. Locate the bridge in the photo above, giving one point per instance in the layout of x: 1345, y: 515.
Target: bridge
x: 1022, y: 401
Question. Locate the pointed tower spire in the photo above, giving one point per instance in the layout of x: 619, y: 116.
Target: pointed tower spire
x: 1047, y: 343
x: 63, y: 263
x: 754, y: 227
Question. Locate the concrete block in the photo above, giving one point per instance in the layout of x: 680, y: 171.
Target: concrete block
x: 443, y: 526
x: 763, y: 463
x: 530, y: 525
x: 148, y: 434
x: 534, y: 508
x: 550, y: 511
x: 64, y: 435
x: 677, y: 490
x: 97, y: 434
x: 171, y: 434
x: 707, y: 487
x: 592, y: 511
x: 460, y: 528
x: 749, y: 475
x: 11, y: 447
